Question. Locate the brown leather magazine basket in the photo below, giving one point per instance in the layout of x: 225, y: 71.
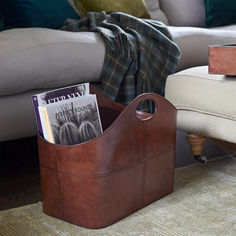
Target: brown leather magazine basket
x: 129, y: 166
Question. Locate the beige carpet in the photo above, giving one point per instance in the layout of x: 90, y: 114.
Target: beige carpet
x: 203, y: 203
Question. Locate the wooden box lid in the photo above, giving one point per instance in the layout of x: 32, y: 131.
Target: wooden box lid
x: 222, y: 59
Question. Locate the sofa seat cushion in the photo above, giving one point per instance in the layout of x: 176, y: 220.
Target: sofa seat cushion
x: 193, y: 43
x: 17, y: 119
x: 38, y: 58
x: 226, y: 27
x: 195, y: 89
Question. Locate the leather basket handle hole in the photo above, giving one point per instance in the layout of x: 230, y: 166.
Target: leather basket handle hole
x: 146, y: 109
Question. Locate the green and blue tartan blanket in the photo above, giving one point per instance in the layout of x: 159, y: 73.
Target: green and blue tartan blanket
x: 140, y: 53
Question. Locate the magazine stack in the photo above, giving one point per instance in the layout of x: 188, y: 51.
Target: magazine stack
x: 68, y: 115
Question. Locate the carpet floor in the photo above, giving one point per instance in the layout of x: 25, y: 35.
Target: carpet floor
x: 203, y: 203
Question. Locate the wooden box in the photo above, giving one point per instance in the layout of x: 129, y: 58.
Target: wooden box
x: 222, y: 59
x: 129, y: 166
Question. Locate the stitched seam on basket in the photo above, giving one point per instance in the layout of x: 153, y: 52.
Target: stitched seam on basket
x: 82, y: 175
x: 179, y: 107
x: 144, y: 163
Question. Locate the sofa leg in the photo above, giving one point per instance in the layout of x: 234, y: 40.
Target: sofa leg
x: 196, y: 141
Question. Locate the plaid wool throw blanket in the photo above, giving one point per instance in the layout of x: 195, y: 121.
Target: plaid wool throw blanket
x: 139, y: 53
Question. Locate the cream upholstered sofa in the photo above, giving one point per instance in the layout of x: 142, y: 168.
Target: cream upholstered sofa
x: 37, y: 59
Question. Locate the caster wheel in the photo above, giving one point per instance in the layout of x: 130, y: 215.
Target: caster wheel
x: 201, y: 159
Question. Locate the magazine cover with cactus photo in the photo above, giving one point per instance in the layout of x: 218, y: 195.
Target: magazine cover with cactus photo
x: 72, y: 121
x: 53, y: 96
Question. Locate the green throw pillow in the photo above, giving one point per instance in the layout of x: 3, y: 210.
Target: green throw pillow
x: 133, y: 7
x: 220, y: 12
x: 37, y: 13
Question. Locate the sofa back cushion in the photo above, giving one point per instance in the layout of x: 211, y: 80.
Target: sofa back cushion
x: 155, y: 12
x: 184, y: 12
